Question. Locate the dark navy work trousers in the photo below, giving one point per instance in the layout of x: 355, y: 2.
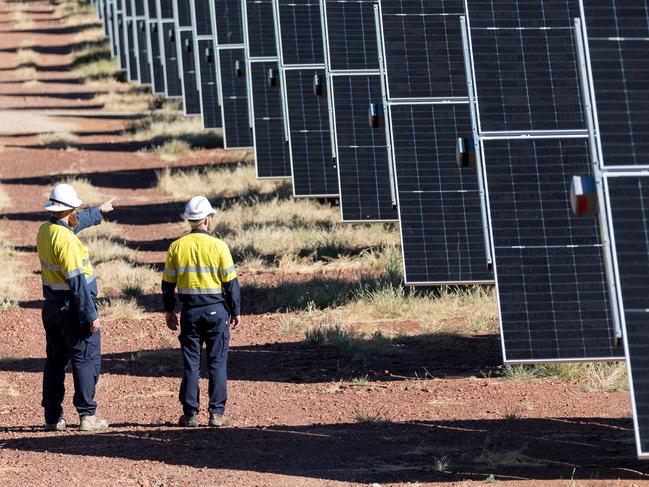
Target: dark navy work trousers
x: 68, y: 341
x: 207, y: 325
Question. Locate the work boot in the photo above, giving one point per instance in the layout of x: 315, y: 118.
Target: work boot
x: 92, y: 423
x: 58, y: 426
x: 217, y: 420
x: 188, y: 421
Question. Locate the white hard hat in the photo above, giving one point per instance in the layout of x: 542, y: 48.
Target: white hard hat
x: 62, y: 198
x: 198, y: 208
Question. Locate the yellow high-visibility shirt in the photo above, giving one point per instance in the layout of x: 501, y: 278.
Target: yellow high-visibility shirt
x: 199, y: 264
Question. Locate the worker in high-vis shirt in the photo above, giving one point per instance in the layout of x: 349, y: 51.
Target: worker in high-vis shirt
x: 69, y: 312
x: 200, y: 269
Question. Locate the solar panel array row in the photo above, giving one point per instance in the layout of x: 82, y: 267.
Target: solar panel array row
x: 463, y: 120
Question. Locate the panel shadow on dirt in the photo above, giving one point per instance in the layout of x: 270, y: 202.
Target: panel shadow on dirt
x: 418, y: 451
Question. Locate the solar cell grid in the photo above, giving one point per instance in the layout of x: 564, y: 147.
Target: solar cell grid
x: 628, y: 200
x: 129, y: 36
x: 351, y: 35
x: 142, y: 40
x: 271, y: 150
x: 313, y: 170
x: 121, y: 35
x: 550, y: 272
x: 173, y: 83
x: 618, y: 38
x: 191, y: 96
x: 166, y: 9
x: 206, y: 60
x: 202, y: 17
x: 260, y: 28
x: 183, y: 13
x: 229, y: 23
x: 156, y: 59
x: 423, y: 48
x: 234, y: 95
x: 439, y: 204
x: 525, y: 65
x: 549, y: 263
x: 300, y: 32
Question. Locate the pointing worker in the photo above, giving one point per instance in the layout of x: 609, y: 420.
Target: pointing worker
x: 69, y: 312
x: 201, y: 268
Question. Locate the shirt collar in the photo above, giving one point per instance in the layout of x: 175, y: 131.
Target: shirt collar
x: 60, y: 222
x: 198, y: 230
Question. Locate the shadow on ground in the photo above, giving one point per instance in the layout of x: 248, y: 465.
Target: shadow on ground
x: 418, y: 451
x: 429, y: 355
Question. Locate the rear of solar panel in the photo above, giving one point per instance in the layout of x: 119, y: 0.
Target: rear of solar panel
x: 439, y: 204
x: 264, y: 91
x: 235, y: 113
x: 366, y: 183
x: 550, y: 272
x: 299, y: 34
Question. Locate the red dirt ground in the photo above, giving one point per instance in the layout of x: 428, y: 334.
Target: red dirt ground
x: 294, y: 409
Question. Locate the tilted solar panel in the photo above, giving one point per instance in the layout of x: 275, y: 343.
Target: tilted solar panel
x: 112, y: 26
x: 618, y: 34
x: 120, y: 22
x: 131, y: 45
x: 264, y: 91
x: 439, y: 204
x: 235, y: 112
x: 142, y: 40
x: 234, y: 97
x: 173, y: 83
x: 155, y: 52
x: 191, y: 96
x: 210, y: 107
x: 207, y: 63
x: 550, y: 273
x: 300, y: 48
x: 616, y: 51
x: 355, y: 84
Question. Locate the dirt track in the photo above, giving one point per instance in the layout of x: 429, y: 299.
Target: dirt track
x: 294, y: 420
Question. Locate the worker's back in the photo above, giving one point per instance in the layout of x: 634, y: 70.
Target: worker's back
x: 63, y: 257
x: 199, y: 264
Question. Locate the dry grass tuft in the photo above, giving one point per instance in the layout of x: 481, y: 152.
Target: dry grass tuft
x: 26, y: 74
x: 120, y: 309
x: 77, y: 13
x: 5, y: 200
x: 12, y: 289
x: 26, y: 58
x: 94, y: 61
x: 224, y: 181
x: 105, y: 243
x: 58, y: 140
x: 168, y: 124
x: 122, y: 277
x: 594, y: 377
x: 88, y: 193
x: 119, y: 100
x: 172, y: 150
x: 21, y: 20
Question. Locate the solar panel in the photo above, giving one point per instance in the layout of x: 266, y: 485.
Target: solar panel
x: 628, y: 201
x: 132, y: 65
x: 306, y: 116
x: 207, y: 62
x: 353, y: 77
x: 155, y: 52
x: 142, y: 40
x: 550, y: 273
x: 112, y: 28
x: 168, y: 50
x: 427, y: 109
x: 616, y: 51
x: 120, y: 18
x: 173, y: 83
x: 232, y: 74
x: 617, y: 37
x: 264, y: 92
x: 185, y: 53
